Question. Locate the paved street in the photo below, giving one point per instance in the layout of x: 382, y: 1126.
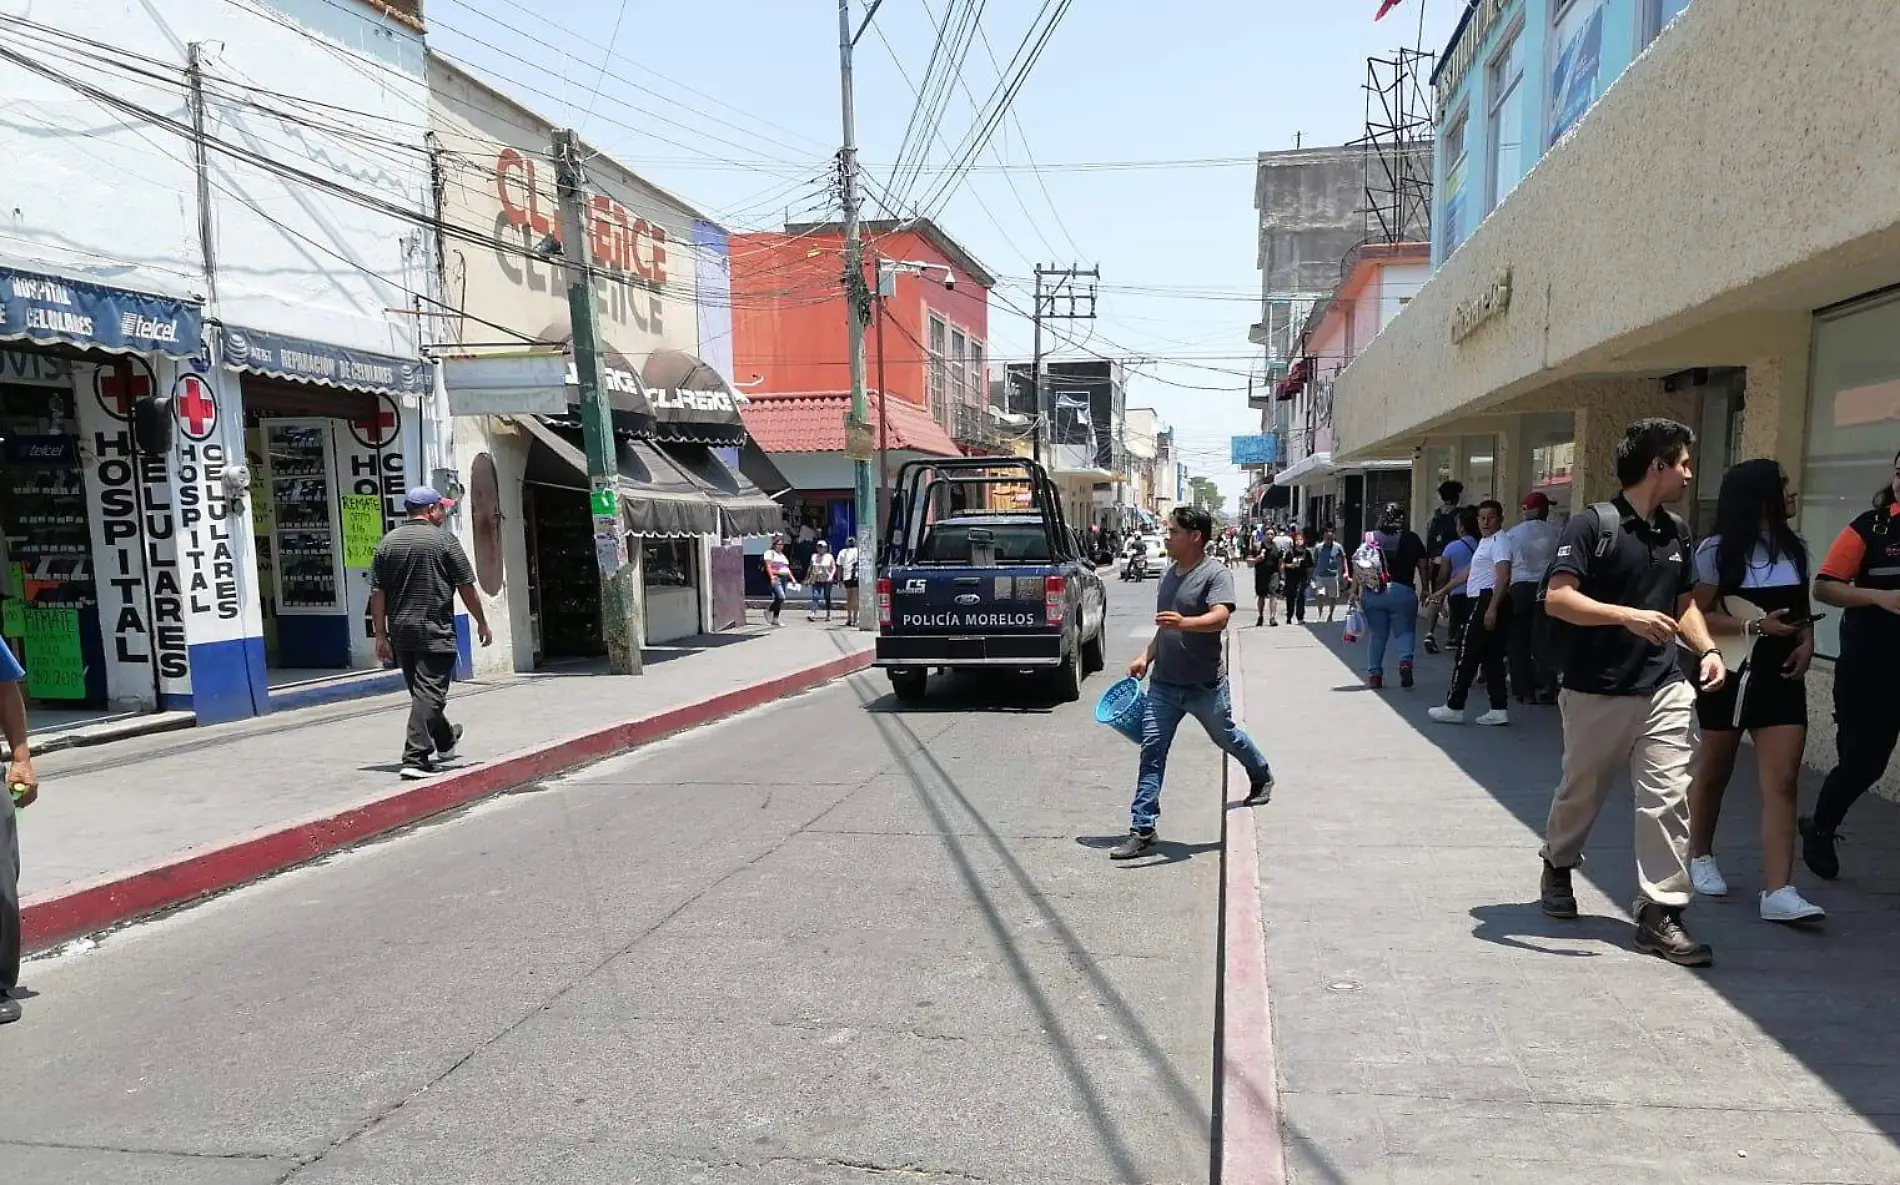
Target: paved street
x: 1434, y: 1026
x: 828, y: 941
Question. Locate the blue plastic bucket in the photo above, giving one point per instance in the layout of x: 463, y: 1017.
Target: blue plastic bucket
x: 1122, y: 707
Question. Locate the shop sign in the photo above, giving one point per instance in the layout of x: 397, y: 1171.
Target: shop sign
x: 318, y: 362
x: 21, y: 368
x: 1255, y: 450
x: 50, y: 309
x: 860, y: 443
x: 618, y: 242
x: 362, y: 528
x: 55, y: 667
x: 42, y: 450
x: 1492, y: 303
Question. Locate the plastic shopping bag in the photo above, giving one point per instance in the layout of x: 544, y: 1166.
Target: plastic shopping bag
x: 1355, y: 624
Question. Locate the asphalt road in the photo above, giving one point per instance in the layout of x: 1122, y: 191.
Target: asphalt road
x: 829, y: 941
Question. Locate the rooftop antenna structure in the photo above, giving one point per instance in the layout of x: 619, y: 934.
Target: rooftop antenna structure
x: 1396, y: 148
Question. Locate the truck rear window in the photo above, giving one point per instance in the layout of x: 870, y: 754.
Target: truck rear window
x: 1014, y: 543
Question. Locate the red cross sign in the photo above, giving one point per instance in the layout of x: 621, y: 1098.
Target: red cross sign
x: 197, y: 410
x: 374, y: 431
x: 118, y: 389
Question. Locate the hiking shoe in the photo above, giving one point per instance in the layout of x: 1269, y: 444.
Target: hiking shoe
x: 1817, y: 850
x: 1707, y: 878
x: 1495, y: 718
x: 1137, y: 844
x: 416, y: 771
x: 9, y: 1009
x: 1261, y: 792
x: 1446, y: 715
x: 1659, y: 932
x: 1786, y: 904
x: 1405, y: 674
x: 448, y: 754
x: 1555, y: 894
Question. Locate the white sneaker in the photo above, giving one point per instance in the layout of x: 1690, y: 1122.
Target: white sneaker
x: 1494, y: 718
x: 1707, y: 878
x: 1445, y: 715
x: 1787, y: 905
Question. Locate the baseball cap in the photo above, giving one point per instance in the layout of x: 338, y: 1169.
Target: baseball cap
x: 1535, y: 500
x: 420, y: 496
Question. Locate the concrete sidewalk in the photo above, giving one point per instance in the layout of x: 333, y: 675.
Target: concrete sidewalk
x: 111, y: 812
x: 1432, y: 1025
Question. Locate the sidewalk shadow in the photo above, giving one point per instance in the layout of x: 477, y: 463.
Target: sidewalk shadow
x: 1823, y: 995
x: 1165, y: 851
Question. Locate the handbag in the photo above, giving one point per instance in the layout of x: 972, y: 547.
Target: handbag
x: 1355, y: 624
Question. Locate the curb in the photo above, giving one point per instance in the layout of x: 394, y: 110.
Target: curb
x: 73, y: 911
x: 1248, y: 1146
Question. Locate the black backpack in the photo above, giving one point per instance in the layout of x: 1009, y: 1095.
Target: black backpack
x: 1609, y: 525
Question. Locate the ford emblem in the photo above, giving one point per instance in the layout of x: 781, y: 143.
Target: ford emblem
x: 968, y: 599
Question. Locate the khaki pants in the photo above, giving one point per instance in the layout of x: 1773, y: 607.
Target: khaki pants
x: 1656, y: 736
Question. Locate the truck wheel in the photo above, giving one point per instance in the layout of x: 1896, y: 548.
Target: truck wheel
x: 1094, y: 656
x: 1068, y: 677
x: 908, y: 686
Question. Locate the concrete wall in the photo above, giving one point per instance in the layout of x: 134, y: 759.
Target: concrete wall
x: 1725, y: 227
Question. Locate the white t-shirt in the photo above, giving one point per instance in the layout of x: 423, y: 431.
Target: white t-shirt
x: 776, y: 564
x: 848, y: 564
x: 1761, y: 572
x: 1492, y: 551
x: 824, y: 565
x: 1535, y: 542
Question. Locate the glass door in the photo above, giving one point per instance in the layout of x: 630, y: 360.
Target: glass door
x: 303, y: 516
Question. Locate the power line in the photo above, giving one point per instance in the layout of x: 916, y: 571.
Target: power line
x: 606, y: 59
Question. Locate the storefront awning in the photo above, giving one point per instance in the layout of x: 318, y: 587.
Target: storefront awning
x: 1311, y: 465
x: 690, y: 401
x: 50, y: 309
x: 254, y: 351
x: 744, y: 510
x: 656, y: 498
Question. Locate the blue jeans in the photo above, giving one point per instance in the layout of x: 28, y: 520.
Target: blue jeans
x: 1168, y: 703
x: 1391, y: 615
x: 821, y: 595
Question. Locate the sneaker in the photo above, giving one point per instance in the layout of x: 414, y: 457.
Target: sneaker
x: 1431, y: 644
x: 1817, y: 850
x: 1405, y: 674
x: 1261, y: 792
x: 1137, y: 844
x: 1659, y: 932
x: 416, y: 771
x: 1445, y: 715
x: 1707, y: 878
x: 1787, y: 905
x: 9, y: 1009
x: 1275, y: 621
x: 1375, y: 681
x: 448, y: 754
x: 1495, y: 718
x: 1555, y: 894
x: 1258, y: 622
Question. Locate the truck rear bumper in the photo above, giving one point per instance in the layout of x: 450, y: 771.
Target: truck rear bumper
x: 1006, y: 650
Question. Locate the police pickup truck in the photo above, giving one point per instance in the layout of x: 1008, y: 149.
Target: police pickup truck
x: 980, y: 571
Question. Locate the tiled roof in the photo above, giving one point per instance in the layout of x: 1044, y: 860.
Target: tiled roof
x: 813, y: 422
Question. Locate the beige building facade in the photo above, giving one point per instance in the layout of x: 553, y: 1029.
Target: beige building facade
x: 1717, y: 241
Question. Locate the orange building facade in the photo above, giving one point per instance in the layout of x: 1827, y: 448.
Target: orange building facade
x: 788, y: 316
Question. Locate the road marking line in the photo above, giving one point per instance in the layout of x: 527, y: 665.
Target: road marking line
x: 1250, y: 1148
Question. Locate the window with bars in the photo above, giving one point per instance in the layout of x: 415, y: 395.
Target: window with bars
x: 937, y: 377
x: 959, y: 368
x: 979, y: 376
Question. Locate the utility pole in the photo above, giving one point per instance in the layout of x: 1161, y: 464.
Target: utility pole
x: 620, y: 608
x: 1063, y: 300
x: 856, y: 300
x: 194, y: 73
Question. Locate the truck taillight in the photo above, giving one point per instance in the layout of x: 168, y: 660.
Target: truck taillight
x: 884, y: 602
x: 1052, y: 589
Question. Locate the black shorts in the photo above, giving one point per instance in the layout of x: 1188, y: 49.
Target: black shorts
x: 851, y: 583
x: 1767, y: 701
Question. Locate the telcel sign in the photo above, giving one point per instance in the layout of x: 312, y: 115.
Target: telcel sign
x: 619, y: 242
x: 1468, y: 317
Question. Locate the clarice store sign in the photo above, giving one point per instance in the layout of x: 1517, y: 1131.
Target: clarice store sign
x: 619, y: 242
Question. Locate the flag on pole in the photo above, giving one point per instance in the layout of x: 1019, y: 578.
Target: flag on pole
x: 1385, y: 6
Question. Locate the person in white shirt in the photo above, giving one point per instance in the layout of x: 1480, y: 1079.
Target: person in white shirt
x: 1533, y: 673
x: 819, y: 574
x: 1486, y: 633
x: 848, y: 576
x: 778, y: 573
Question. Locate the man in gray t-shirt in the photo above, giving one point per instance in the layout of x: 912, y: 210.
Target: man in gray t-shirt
x: 1186, y: 673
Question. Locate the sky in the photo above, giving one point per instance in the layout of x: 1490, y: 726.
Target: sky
x: 734, y: 106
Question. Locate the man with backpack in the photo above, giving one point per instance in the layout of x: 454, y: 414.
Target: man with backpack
x: 1620, y: 586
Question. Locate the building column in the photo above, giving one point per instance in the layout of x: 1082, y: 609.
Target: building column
x: 1604, y: 408
x: 1775, y: 407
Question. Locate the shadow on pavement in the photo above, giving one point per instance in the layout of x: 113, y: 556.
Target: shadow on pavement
x: 971, y: 692
x: 1824, y: 995
x: 935, y: 788
x: 1165, y: 851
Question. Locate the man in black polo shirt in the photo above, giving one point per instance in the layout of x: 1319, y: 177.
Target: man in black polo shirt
x: 1623, y: 587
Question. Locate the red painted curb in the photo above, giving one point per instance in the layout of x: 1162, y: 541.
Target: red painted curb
x: 1252, y: 1150
x: 71, y: 911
